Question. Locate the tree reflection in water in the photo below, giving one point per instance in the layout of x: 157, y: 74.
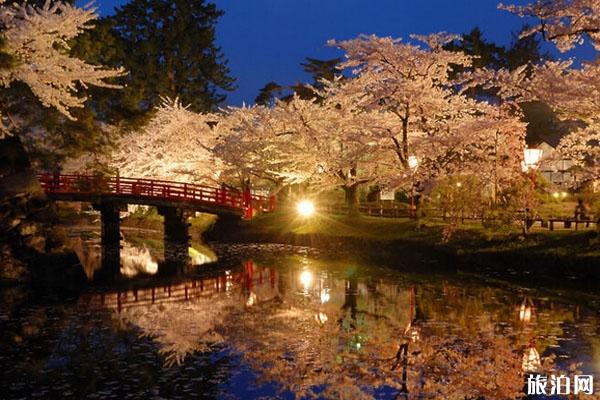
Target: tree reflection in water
x: 135, y: 260
x: 320, y: 332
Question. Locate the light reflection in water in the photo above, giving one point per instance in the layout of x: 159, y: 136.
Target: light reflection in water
x: 321, y: 317
x: 531, y: 360
x: 306, y: 279
x: 251, y: 299
x: 526, y: 310
x: 325, y: 296
x: 394, y: 332
x: 199, y: 258
x: 136, y: 260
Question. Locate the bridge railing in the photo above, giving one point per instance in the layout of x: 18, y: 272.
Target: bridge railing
x: 154, y: 188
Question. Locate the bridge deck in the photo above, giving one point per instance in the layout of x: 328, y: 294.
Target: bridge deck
x: 153, y: 192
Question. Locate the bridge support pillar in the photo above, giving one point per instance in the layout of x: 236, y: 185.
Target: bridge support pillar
x: 176, y: 239
x: 111, y: 242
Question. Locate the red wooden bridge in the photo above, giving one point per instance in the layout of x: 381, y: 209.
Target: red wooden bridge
x: 153, y: 192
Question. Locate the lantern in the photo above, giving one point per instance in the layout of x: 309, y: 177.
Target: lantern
x: 531, y: 159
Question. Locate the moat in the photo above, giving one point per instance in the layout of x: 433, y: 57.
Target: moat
x: 279, y: 321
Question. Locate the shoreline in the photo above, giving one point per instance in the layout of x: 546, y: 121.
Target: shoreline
x: 531, y: 261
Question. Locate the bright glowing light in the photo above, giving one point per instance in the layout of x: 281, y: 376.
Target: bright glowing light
x: 412, y: 333
x: 458, y: 184
x: 525, y: 313
x: 413, y: 162
x: 305, y: 208
x: 306, y: 278
x: 555, y: 195
x: 251, y: 300
x: 531, y: 360
x: 531, y: 158
x: 325, y: 296
x: 321, y: 318
x: 564, y: 194
x: 137, y: 260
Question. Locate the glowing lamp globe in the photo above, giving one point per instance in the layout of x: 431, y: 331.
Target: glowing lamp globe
x: 531, y: 158
x: 305, y: 208
x: 413, y: 162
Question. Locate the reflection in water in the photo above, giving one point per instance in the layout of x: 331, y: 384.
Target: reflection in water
x: 306, y: 279
x: 199, y: 258
x: 526, y: 310
x: 136, y: 260
x: 531, y: 359
x: 341, y: 336
x: 319, y: 329
x: 182, y: 318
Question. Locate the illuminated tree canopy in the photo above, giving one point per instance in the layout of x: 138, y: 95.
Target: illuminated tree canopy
x: 37, y: 39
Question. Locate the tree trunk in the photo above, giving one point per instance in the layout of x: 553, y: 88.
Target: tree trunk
x: 351, y: 196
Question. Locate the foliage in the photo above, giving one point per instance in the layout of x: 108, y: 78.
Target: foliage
x: 412, y: 90
x: 169, y: 49
x: 573, y: 93
x: 519, y: 203
x: 176, y: 144
x: 325, y: 144
x: 459, y: 196
x: 566, y: 22
x: 45, y: 87
x: 37, y: 39
x: 320, y: 70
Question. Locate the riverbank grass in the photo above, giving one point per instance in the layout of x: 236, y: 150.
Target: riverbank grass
x: 469, y: 237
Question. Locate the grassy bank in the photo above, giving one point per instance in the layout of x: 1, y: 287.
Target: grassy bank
x: 462, y: 238
x: 553, y: 255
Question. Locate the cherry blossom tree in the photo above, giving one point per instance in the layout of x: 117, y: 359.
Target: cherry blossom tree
x: 400, y: 106
x: 324, y: 144
x: 250, y: 146
x: 566, y: 22
x: 176, y: 144
x: 37, y: 39
x: 424, y: 117
x: 572, y: 92
x: 335, y: 142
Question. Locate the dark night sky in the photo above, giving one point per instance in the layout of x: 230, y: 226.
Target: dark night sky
x: 265, y: 40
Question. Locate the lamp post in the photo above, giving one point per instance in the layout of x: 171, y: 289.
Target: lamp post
x: 413, y: 163
x: 530, y: 164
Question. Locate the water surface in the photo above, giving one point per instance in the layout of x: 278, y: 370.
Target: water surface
x: 285, y: 322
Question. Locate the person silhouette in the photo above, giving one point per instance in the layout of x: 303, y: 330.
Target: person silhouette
x: 581, y: 211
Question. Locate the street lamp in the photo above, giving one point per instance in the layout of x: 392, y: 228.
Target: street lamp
x: 531, y: 159
x: 305, y: 208
x: 413, y: 163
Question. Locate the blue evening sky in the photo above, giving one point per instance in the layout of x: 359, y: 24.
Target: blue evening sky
x: 266, y: 40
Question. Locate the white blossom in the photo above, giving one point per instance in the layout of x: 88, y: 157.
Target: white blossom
x: 37, y: 38
x: 176, y: 144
